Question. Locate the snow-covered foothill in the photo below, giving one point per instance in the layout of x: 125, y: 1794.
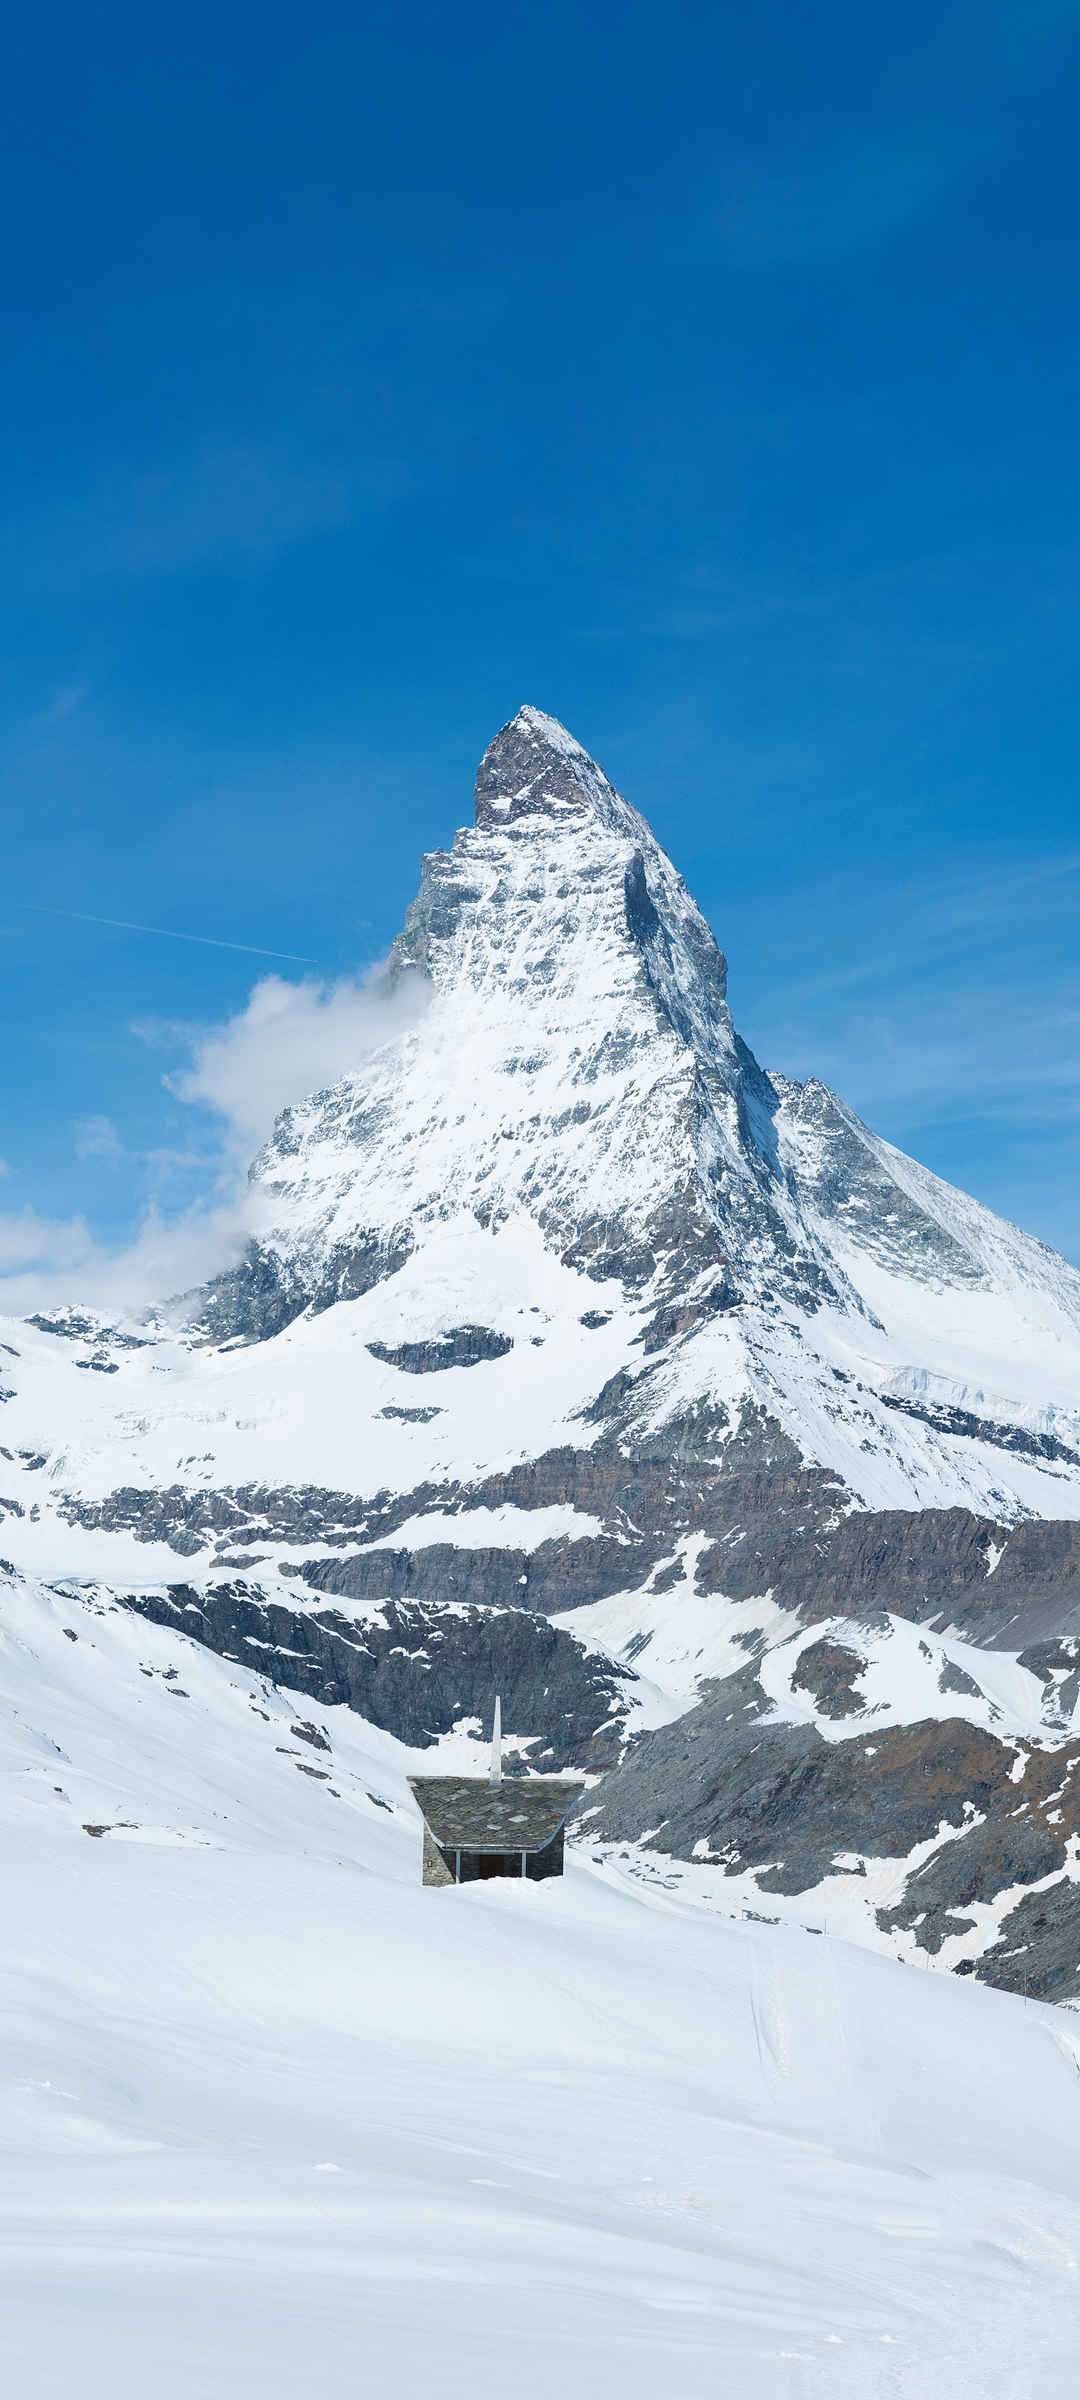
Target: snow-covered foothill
x: 276, y: 2119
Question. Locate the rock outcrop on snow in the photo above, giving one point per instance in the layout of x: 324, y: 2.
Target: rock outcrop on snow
x: 564, y: 1308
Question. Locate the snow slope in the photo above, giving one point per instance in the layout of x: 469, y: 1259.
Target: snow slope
x: 277, y: 2120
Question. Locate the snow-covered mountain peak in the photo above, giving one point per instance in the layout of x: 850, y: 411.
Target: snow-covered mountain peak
x: 535, y: 776
x: 576, y: 1082
x: 578, y: 1063
x: 535, y: 768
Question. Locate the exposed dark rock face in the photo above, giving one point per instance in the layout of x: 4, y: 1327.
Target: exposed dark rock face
x: 310, y: 1733
x: 522, y: 775
x: 464, y: 1346
x: 831, y: 1673
x: 416, y: 1671
x: 680, y: 1317
x: 69, y: 1324
x: 267, y: 1290
x: 1038, y: 1949
x: 774, y: 1523
x: 646, y: 1487
x: 355, y: 1267
x: 1057, y: 1665
x: 1016, y: 1845
x: 252, y: 1301
x: 931, y: 1565
x: 733, y: 1784
x: 1018, y: 1438
x: 848, y: 1180
x: 554, y: 1577
x: 72, y: 1325
x: 956, y: 1679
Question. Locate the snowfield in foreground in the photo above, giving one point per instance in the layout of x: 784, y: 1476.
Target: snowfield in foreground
x: 277, y: 2121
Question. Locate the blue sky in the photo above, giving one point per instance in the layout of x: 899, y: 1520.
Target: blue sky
x: 708, y: 376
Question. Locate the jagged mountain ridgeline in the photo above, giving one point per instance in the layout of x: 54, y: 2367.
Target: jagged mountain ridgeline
x: 580, y: 1355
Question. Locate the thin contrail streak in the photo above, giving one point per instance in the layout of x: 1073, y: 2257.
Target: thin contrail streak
x: 296, y: 958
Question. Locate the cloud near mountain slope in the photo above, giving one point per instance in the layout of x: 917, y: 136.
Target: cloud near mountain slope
x: 288, y: 1040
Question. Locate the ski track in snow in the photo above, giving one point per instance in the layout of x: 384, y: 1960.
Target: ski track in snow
x: 277, y: 2120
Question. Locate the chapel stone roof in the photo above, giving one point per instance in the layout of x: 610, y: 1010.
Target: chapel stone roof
x: 466, y: 1812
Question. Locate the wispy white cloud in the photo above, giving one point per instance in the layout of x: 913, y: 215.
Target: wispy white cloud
x: 97, y: 1137
x: 235, y: 504
x: 30, y: 1242
x: 46, y: 1262
x: 943, y: 116
x: 288, y: 1040
x: 826, y: 208
x: 899, y: 931
x: 951, y: 1075
x: 63, y: 705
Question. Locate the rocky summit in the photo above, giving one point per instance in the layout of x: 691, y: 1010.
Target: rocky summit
x: 581, y: 1356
